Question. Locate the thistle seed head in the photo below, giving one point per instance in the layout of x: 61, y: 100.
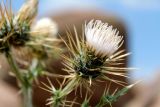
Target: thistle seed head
x: 45, y: 27
x: 95, y: 55
x: 14, y: 34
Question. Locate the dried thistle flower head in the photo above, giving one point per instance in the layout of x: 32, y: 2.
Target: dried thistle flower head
x: 95, y: 54
x: 28, y: 11
x: 39, y: 39
x: 17, y: 30
x: 15, y: 34
x: 45, y: 27
x: 44, y: 42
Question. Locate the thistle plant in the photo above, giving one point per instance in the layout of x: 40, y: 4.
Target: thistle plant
x: 17, y: 32
x: 93, y: 56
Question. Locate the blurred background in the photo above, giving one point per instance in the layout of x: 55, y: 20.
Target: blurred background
x: 141, y: 21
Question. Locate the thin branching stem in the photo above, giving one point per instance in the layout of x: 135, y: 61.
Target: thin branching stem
x: 14, y: 67
x: 26, y: 91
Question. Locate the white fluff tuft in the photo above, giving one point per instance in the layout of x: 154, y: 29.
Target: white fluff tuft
x: 46, y: 27
x: 102, y: 38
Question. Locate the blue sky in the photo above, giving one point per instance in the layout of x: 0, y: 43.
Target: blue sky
x: 141, y: 17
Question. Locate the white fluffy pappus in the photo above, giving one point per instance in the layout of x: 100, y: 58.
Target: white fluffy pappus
x: 102, y: 38
x: 46, y: 27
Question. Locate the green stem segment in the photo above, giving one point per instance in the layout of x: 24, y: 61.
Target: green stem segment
x: 101, y: 103
x: 14, y: 67
x: 60, y: 94
x: 27, y: 97
x: 56, y: 104
x: 26, y: 91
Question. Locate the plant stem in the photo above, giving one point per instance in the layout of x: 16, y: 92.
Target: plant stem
x: 26, y: 91
x: 14, y: 67
x: 56, y: 104
x: 27, y: 97
x: 60, y: 94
